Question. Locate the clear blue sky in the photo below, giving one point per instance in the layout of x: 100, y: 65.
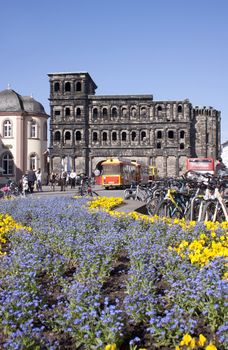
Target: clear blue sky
x: 173, y: 49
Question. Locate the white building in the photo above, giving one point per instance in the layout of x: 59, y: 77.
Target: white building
x: 23, y: 135
x: 225, y: 153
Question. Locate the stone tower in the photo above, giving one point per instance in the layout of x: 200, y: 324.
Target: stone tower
x: 69, y: 119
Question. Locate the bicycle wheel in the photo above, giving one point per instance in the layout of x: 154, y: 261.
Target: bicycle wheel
x: 168, y: 209
x: 192, y: 212
x: 212, y: 211
x: 152, y: 205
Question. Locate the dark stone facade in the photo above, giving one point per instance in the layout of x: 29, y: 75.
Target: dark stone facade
x: 86, y: 129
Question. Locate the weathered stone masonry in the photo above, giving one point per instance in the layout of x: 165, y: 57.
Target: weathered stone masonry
x: 86, y: 129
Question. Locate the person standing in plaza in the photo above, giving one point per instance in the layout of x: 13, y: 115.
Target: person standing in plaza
x: 72, y: 179
x: 24, y: 184
x: 220, y: 167
x: 31, y: 180
x: 39, y: 180
x: 53, y: 181
x: 63, y: 181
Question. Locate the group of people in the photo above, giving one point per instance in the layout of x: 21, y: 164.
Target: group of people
x: 30, y: 181
x: 60, y: 179
x: 65, y: 179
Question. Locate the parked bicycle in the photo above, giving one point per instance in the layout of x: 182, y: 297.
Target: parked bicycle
x: 85, y: 188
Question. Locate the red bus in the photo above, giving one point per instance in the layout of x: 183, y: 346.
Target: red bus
x: 201, y: 165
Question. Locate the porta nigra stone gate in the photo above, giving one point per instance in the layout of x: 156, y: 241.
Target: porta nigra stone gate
x: 86, y: 129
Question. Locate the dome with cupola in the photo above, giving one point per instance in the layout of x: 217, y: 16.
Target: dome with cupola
x: 11, y: 101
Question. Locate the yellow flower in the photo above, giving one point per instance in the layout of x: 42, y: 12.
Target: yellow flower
x: 202, y: 340
x: 110, y: 347
x: 213, y: 234
x: 177, y: 348
x: 186, y: 340
x: 225, y: 276
x: 210, y: 347
x: 192, y: 343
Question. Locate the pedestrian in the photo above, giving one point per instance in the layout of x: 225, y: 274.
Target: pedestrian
x: 25, y: 186
x: 72, y: 179
x: 39, y: 180
x: 31, y: 180
x: 53, y: 181
x: 220, y: 167
x: 63, y: 181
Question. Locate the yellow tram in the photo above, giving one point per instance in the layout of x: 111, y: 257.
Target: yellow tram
x: 118, y: 172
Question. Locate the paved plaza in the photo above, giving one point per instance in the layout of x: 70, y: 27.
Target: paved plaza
x: 128, y: 206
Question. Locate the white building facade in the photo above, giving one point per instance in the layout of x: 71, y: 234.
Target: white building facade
x: 23, y: 135
x: 225, y: 153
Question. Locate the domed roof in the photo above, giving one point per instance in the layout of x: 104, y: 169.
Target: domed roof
x: 10, y: 101
x: 32, y: 106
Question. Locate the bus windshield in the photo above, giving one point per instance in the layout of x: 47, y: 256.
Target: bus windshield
x: 111, y: 169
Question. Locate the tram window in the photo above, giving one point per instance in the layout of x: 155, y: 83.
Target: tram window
x: 111, y: 169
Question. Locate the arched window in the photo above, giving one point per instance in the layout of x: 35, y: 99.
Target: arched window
x: 170, y: 134
x: 56, y: 87
x: 78, y: 135
x: 124, y: 136
x: 114, y: 112
x: 158, y: 145
x: 143, y: 136
x: 124, y: 112
x: 33, y: 161
x: 7, y: 128
x: 133, y: 136
x: 105, y: 112
x: 143, y: 111
x: 133, y: 112
x: 95, y: 112
x: 33, y: 129
x: 67, y: 112
x: 179, y: 109
x: 114, y: 136
x: 104, y: 136
x: 57, y: 136
x: 159, y: 134
x: 78, y: 111
x: 67, y: 136
x: 7, y: 164
x: 95, y: 136
x: 45, y: 131
x: 181, y: 145
x: 182, y: 134
x: 159, y: 109
x: 67, y: 87
x: 79, y: 86
x: 57, y: 113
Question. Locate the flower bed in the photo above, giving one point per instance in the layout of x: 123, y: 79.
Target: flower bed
x: 81, y: 278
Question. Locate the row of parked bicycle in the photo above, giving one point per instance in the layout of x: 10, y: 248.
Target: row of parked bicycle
x: 198, y: 197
